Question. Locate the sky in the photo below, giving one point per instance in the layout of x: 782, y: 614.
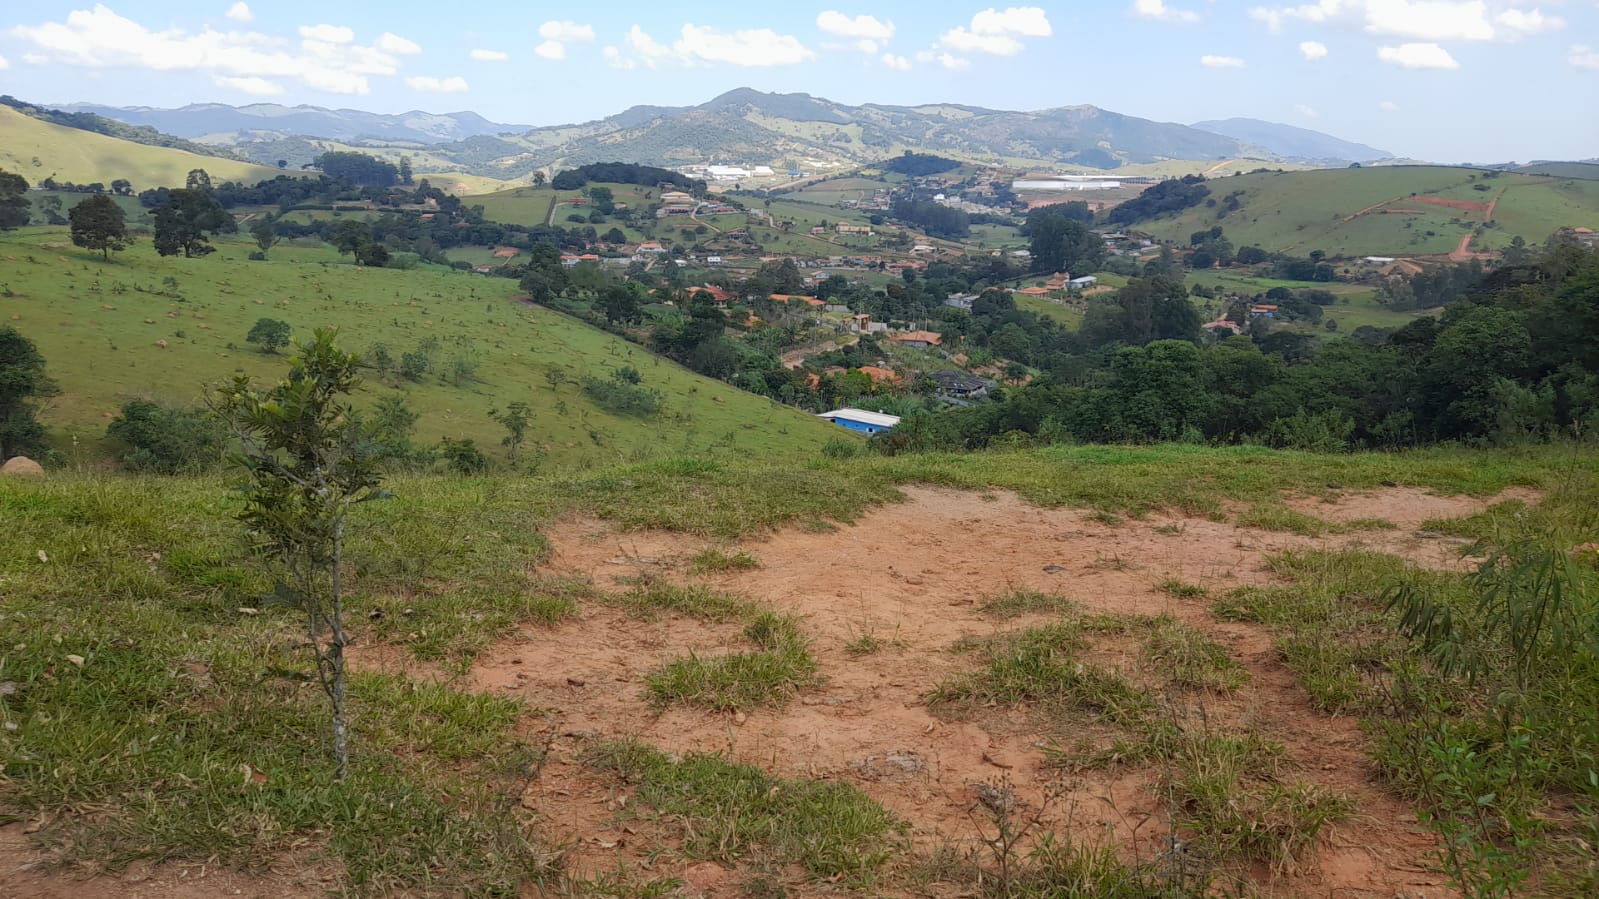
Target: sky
x: 1442, y: 80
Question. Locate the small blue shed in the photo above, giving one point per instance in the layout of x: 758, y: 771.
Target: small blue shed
x: 861, y: 420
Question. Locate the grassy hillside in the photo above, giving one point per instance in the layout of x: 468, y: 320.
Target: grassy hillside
x: 83, y: 157
x: 97, y: 326
x: 1387, y: 210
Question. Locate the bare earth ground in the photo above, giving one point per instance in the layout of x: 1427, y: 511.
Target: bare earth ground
x: 912, y: 574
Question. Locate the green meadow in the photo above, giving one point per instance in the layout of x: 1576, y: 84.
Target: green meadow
x: 99, y: 326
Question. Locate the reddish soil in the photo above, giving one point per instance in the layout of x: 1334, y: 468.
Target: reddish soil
x: 913, y: 574
x: 1463, y: 205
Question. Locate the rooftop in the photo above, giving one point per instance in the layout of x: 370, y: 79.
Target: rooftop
x: 861, y: 415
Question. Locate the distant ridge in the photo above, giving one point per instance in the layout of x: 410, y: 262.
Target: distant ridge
x: 1294, y: 142
x: 221, y: 123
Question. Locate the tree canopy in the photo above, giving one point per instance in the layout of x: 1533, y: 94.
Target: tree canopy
x: 98, y: 223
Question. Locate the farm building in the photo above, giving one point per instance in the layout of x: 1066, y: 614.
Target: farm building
x: 1263, y: 310
x: 1035, y: 291
x: 918, y: 339
x: 861, y: 420
x: 1222, y: 324
x: 847, y: 228
x: 959, y: 384
x: 960, y: 301
x: 1082, y: 283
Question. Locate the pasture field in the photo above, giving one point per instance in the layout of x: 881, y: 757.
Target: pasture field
x: 1064, y: 635
x: 83, y: 157
x: 1068, y: 317
x: 1386, y: 210
x: 98, y: 324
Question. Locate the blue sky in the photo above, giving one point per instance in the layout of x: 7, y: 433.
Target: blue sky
x: 1446, y: 80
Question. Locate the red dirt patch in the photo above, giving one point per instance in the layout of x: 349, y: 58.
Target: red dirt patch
x: 913, y: 574
x: 1464, y: 205
x: 1406, y: 507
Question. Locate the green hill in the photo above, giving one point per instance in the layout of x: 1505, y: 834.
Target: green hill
x: 1588, y: 171
x: 98, y: 325
x: 1385, y: 210
x: 37, y: 150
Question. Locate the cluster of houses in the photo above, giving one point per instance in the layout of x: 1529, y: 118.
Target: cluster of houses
x: 675, y: 202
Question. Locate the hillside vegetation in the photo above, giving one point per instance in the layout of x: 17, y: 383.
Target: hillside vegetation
x: 1384, y: 210
x: 83, y: 157
x: 98, y: 325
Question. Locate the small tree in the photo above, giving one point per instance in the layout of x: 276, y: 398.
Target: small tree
x: 308, y: 464
x: 413, y: 365
x: 515, y: 417
x: 14, y: 203
x: 350, y: 235
x: 270, y: 333
x: 265, y: 232
x: 183, y: 224
x: 22, y: 384
x: 98, y: 224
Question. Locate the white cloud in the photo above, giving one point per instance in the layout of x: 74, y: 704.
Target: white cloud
x: 255, y: 87
x: 389, y: 42
x: 1388, y: 106
x: 557, y: 34
x: 1221, y: 62
x: 1308, y: 112
x: 1584, y: 57
x: 1418, y: 56
x: 240, y: 12
x: 841, y: 25
x: 963, y: 41
x: 1313, y: 50
x: 327, y: 34
x: 452, y: 85
x: 1522, y: 22
x: 1421, y: 20
x: 489, y: 55
x: 867, y: 46
x: 897, y: 63
x: 991, y: 32
x: 35, y: 59
x: 699, y: 45
x: 754, y: 47
x: 1021, y: 21
x: 327, y: 57
x: 3, y: 64
x: 566, y: 31
x: 1158, y: 10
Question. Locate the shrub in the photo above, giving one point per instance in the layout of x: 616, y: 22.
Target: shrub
x: 166, y: 440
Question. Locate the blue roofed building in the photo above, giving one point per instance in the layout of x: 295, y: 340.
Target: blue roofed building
x: 861, y: 420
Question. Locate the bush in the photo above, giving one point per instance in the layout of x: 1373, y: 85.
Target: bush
x: 619, y: 396
x: 165, y: 440
x: 463, y: 456
x: 257, y: 256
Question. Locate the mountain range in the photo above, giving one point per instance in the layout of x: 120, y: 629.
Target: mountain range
x: 1293, y: 142
x: 219, y: 123
x: 746, y: 126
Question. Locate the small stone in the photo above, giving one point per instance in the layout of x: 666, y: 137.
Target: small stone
x: 516, y: 661
x: 1333, y: 485
x: 577, y: 682
x: 579, y: 734
x: 739, y: 718
x: 1053, y: 569
x: 913, y: 580
x: 1389, y: 484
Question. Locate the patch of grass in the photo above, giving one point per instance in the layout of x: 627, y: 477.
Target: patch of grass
x: 866, y: 644
x: 1368, y: 524
x: 1180, y: 589
x: 456, y: 625
x: 737, y: 813
x: 1191, y: 660
x: 1040, y: 666
x: 651, y: 597
x: 1023, y: 601
x: 711, y: 560
x: 1277, y: 517
x: 781, y: 665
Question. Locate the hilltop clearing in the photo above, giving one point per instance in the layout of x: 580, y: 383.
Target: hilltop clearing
x: 826, y: 679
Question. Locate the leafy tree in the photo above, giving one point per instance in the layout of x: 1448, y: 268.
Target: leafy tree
x: 122, y: 187
x: 183, y: 223
x: 375, y: 255
x: 515, y: 418
x: 390, y: 427
x: 51, y: 207
x: 22, y: 384
x: 270, y: 333
x: 265, y: 232
x: 414, y: 365
x: 98, y: 224
x: 198, y: 179
x: 405, y: 170
x: 540, y: 179
x: 308, y: 464
x: 1060, y: 244
x: 14, y: 204
x: 358, y: 168
x: 463, y: 456
x: 166, y: 440
x: 351, y: 235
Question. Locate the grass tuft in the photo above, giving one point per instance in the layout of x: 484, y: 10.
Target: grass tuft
x: 1040, y: 665
x: 732, y: 813
x: 1181, y: 590
x: 1189, y: 659
x: 1025, y: 602
x: 781, y: 665
x: 651, y: 597
x: 712, y: 561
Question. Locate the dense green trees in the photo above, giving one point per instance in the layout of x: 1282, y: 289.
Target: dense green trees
x: 14, y: 202
x: 98, y: 224
x: 184, y: 223
x: 23, y: 384
x: 358, y: 168
x: 166, y: 440
x: 269, y: 333
x: 1060, y: 242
